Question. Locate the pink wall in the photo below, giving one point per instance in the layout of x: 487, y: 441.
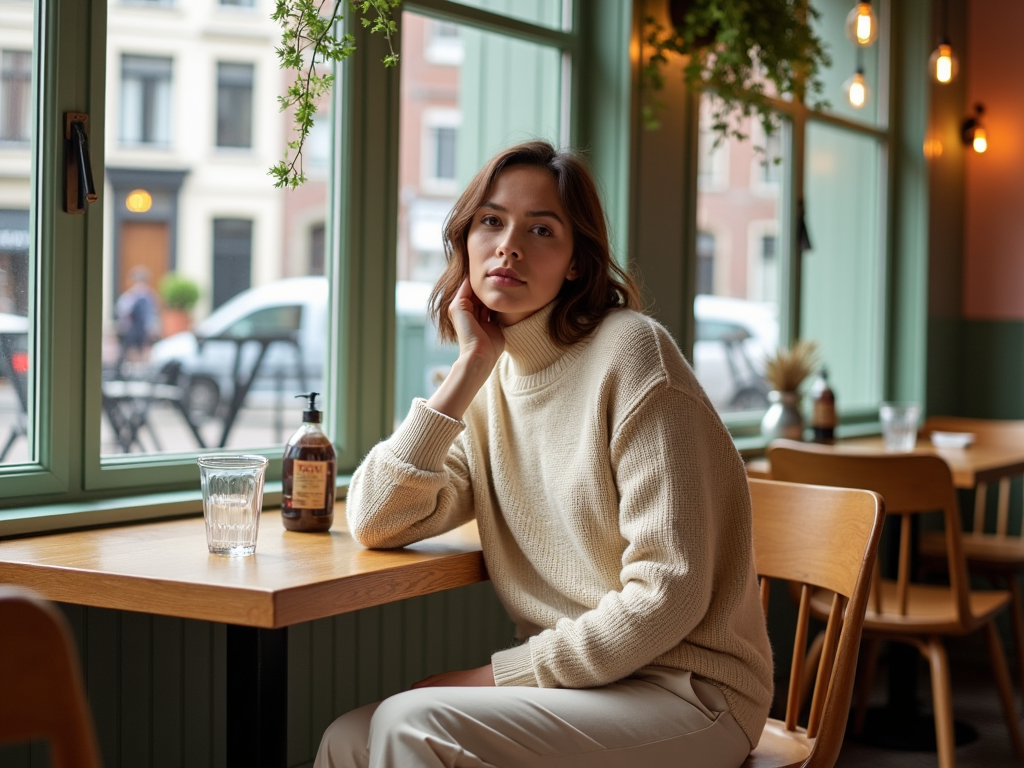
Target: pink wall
x: 994, y: 227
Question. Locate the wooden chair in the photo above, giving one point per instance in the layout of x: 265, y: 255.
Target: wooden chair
x: 820, y: 538
x: 41, y: 693
x: 990, y: 551
x: 901, y: 610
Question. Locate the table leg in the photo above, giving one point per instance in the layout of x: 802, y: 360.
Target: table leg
x: 257, y: 692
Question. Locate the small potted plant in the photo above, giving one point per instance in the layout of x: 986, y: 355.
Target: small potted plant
x: 179, y: 295
x: 785, y: 371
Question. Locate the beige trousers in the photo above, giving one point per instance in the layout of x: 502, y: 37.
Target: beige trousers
x: 657, y: 717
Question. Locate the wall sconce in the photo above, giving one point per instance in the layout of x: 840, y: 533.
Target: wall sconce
x: 973, y: 132
x: 862, y: 24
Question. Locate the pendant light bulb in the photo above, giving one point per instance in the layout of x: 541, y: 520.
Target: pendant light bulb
x: 856, y: 90
x: 942, y: 65
x: 862, y: 24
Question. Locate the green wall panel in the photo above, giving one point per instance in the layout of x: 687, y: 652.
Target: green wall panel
x: 992, y: 370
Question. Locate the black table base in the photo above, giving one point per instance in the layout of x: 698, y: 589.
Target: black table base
x: 257, y: 672
x: 910, y: 731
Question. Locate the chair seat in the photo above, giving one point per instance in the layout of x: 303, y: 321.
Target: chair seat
x: 930, y: 609
x: 779, y: 748
x: 984, y: 549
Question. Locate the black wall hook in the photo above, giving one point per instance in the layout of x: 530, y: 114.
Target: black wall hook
x: 79, y: 188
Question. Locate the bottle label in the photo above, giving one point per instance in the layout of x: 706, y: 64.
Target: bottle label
x: 824, y: 414
x: 309, y: 484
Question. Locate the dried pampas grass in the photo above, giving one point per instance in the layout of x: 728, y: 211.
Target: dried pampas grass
x: 787, y: 368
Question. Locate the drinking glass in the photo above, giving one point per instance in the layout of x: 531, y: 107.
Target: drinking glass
x: 232, y: 501
x: 899, y: 425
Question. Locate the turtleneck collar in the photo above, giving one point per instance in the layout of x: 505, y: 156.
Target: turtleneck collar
x: 531, y: 357
x: 529, y: 345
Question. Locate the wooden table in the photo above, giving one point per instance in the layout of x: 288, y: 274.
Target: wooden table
x: 972, y: 465
x: 164, y: 568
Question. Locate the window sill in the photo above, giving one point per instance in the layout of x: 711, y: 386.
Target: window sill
x: 50, y: 518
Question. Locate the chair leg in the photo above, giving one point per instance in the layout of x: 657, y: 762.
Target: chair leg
x: 1001, y: 673
x: 942, y: 700
x: 1017, y: 620
x: 869, y: 656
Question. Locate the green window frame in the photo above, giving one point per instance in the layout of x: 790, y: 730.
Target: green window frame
x: 663, y: 216
x: 68, y: 484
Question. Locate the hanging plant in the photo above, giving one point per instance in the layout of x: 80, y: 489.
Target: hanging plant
x: 734, y: 49
x: 309, y: 40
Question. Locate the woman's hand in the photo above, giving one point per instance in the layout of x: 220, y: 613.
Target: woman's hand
x: 479, y: 677
x: 480, y: 338
x: 481, y: 343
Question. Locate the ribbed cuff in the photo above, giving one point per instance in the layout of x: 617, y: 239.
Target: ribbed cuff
x: 425, y: 436
x: 514, y: 666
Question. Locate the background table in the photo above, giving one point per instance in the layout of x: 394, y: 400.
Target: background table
x: 164, y: 568
x: 970, y: 466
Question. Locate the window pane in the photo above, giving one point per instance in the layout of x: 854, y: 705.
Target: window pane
x: 17, y: 139
x: 455, y: 113
x: 205, y: 263
x: 842, y: 273
x: 547, y: 13
x: 846, y: 59
x: 738, y: 231
x: 234, y: 105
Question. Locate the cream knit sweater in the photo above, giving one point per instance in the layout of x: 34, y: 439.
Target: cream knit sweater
x: 612, y: 506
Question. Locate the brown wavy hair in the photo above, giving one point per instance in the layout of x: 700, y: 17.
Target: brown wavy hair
x: 601, y: 284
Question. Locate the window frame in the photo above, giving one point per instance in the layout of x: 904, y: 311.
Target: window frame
x: 69, y: 484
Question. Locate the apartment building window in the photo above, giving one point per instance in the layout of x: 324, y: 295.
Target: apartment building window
x: 238, y: 3
x: 15, y: 95
x: 440, y: 128
x: 234, y: 105
x: 232, y: 258
x: 146, y: 100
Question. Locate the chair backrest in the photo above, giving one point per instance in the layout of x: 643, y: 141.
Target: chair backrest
x: 41, y: 692
x: 987, y: 432
x: 909, y: 483
x: 824, y: 538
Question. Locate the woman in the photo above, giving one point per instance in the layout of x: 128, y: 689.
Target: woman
x: 612, y: 506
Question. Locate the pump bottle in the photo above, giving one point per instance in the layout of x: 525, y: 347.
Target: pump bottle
x: 308, y: 475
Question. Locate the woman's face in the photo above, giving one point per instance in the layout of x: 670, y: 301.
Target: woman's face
x: 520, y: 244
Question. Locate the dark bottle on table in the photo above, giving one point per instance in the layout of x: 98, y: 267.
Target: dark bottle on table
x: 823, y: 409
x: 308, y: 474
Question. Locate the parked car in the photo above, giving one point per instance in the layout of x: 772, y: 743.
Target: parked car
x: 732, y: 339
x: 292, y: 312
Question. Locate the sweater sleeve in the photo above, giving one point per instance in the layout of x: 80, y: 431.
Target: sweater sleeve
x: 413, y: 485
x: 679, y: 477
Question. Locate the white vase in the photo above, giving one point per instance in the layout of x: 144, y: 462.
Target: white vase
x: 783, y: 417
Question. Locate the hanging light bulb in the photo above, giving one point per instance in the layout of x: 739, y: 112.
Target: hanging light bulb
x: 942, y: 65
x: 862, y: 24
x: 856, y: 89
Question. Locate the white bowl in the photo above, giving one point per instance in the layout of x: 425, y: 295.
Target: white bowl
x: 952, y: 439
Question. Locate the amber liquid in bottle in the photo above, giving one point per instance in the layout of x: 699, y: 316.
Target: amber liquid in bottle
x: 307, y: 480
x: 823, y: 414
